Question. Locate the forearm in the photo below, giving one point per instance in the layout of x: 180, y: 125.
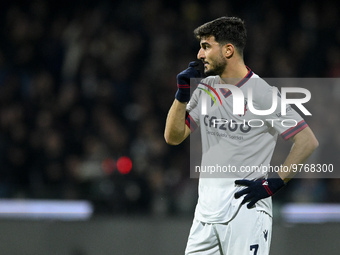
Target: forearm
x: 175, y: 128
x: 304, y: 145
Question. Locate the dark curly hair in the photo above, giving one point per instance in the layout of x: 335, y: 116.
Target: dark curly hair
x: 225, y: 30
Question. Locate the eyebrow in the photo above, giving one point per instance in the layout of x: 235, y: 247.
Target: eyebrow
x: 204, y: 44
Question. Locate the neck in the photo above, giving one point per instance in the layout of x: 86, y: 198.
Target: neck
x: 234, y: 72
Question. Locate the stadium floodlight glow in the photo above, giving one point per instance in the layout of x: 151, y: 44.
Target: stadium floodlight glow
x: 46, y: 209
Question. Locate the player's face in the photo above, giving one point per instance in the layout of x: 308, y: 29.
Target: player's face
x: 212, y: 57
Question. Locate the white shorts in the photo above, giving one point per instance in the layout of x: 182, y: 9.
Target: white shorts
x: 249, y: 233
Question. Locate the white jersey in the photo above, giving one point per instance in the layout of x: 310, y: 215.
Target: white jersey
x: 240, y: 143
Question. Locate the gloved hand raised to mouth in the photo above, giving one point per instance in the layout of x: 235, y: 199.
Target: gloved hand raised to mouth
x: 195, y: 70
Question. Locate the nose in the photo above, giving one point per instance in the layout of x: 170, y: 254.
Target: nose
x: 200, y: 54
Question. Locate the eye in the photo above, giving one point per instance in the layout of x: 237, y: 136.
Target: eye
x: 205, y: 46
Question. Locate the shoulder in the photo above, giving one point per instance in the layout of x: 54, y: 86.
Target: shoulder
x: 258, y: 82
x: 259, y: 86
x: 205, y: 83
x: 262, y: 93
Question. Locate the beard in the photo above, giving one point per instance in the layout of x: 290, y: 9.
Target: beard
x: 218, y: 66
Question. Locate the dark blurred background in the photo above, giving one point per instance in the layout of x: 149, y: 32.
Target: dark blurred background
x: 87, y: 84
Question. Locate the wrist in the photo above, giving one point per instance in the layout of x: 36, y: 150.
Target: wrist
x: 275, y: 184
x: 183, y: 95
x: 282, y: 177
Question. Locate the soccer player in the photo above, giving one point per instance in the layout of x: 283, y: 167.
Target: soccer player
x: 234, y: 214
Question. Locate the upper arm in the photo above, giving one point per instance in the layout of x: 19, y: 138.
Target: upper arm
x: 306, y: 137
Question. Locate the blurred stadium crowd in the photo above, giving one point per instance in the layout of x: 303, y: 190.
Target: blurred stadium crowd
x: 83, y: 83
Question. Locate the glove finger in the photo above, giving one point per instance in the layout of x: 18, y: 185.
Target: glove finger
x: 199, y: 67
x: 244, y: 182
x: 184, y: 77
x: 252, y: 203
x: 247, y: 198
x: 196, y: 73
x: 194, y: 64
x: 241, y: 192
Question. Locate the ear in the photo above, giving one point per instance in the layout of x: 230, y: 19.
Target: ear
x: 228, y: 50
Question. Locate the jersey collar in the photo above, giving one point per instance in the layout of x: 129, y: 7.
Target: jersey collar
x: 239, y: 84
